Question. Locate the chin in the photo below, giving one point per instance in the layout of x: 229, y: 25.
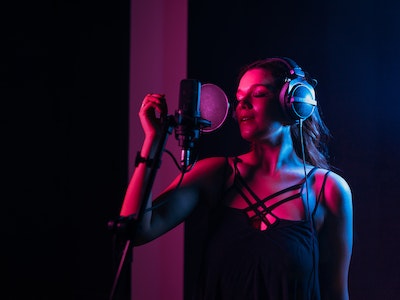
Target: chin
x: 248, y: 136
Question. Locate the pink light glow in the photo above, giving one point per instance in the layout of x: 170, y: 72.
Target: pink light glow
x: 158, y: 64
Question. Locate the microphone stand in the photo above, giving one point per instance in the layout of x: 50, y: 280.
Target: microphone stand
x: 128, y: 226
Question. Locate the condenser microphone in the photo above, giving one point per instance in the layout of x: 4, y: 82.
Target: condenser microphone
x: 202, y: 108
x: 188, y: 119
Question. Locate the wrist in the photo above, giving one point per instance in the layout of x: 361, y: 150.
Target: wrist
x: 145, y: 160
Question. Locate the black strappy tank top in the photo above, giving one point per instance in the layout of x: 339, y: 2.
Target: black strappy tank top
x: 260, y: 209
x: 244, y: 262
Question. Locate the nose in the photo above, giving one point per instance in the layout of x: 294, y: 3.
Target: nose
x: 244, y: 102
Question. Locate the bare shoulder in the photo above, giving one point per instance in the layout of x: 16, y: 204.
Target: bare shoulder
x: 335, y: 236
x: 337, y: 195
x: 206, y: 171
x: 211, y: 165
x: 213, y: 161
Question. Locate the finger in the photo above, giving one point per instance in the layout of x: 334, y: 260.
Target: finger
x: 156, y: 101
x: 155, y: 98
x: 152, y: 98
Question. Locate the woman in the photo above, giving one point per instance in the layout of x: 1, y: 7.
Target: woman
x: 280, y: 222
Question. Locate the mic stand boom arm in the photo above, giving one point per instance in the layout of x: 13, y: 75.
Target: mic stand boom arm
x: 127, y: 225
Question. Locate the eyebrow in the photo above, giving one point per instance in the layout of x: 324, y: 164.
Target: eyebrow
x: 270, y: 87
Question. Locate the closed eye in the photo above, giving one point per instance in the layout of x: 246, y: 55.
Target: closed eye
x: 258, y: 94
x: 261, y: 91
x: 256, y: 91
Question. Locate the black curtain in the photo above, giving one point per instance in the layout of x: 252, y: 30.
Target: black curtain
x: 64, y: 97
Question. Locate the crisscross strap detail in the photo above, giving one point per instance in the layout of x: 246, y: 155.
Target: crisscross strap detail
x: 259, y: 206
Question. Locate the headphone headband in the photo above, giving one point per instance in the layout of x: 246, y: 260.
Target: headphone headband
x: 293, y: 68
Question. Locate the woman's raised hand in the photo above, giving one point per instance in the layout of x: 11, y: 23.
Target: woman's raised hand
x: 152, y: 114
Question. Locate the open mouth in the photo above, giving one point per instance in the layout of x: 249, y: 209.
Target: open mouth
x: 245, y: 118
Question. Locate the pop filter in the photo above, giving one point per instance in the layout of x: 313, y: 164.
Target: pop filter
x: 214, y: 106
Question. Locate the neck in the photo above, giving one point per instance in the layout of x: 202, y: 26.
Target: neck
x: 275, y: 151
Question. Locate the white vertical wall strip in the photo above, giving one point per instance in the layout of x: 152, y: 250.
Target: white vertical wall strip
x: 157, y: 64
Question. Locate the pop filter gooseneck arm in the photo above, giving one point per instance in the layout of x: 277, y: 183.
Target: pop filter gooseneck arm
x: 127, y: 226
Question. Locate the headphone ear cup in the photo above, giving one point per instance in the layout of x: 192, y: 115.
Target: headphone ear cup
x: 297, y: 99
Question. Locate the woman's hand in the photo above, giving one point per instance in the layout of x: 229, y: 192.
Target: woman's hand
x: 152, y: 114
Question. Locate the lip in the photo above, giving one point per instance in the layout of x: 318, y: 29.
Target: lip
x: 245, y: 118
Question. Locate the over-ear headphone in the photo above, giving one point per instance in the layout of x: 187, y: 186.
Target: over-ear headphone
x: 297, y: 96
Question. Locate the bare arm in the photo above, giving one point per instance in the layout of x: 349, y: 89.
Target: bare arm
x: 174, y: 205
x: 152, y: 105
x: 336, y: 239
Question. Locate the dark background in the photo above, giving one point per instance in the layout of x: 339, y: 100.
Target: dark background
x: 64, y: 116
x: 64, y: 98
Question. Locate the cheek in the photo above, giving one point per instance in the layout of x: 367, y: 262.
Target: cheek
x: 274, y: 109
x: 234, y: 114
x: 235, y: 110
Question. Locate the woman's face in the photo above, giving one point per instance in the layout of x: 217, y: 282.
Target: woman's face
x: 258, y: 110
